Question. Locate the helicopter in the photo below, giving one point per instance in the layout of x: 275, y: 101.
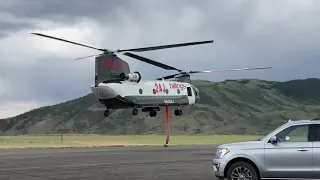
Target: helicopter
x: 116, y: 87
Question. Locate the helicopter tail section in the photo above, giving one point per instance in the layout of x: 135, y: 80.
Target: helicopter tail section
x: 109, y: 67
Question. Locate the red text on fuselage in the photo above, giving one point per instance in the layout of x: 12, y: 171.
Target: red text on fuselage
x: 177, y: 86
x: 112, y: 64
x: 159, y: 88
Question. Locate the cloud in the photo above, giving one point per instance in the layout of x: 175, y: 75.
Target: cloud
x: 14, y: 108
x: 282, y: 34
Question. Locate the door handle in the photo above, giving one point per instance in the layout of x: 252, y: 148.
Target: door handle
x: 303, y: 149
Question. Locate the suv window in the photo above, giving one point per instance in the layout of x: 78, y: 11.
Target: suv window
x: 296, y: 133
x: 314, y: 132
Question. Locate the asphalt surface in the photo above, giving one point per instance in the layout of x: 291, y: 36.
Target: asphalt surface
x: 113, y: 163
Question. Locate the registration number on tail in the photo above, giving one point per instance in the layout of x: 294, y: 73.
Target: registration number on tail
x: 168, y: 101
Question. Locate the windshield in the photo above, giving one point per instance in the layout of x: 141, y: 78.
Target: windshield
x: 264, y: 138
x: 196, y: 90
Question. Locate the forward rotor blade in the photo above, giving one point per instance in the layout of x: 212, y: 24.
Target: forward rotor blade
x: 168, y: 77
x: 155, y: 63
x: 87, y: 56
x: 225, y: 70
x: 43, y: 35
x: 151, y: 48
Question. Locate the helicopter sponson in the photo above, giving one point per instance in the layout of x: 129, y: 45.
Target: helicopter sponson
x: 132, y: 77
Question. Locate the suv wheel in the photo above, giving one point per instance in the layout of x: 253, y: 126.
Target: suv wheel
x: 242, y: 171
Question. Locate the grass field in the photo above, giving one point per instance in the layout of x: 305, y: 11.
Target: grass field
x: 68, y: 141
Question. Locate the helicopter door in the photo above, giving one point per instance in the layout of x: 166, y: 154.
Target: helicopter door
x: 190, y: 95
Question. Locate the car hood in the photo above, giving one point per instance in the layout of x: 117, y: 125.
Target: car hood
x: 244, y: 145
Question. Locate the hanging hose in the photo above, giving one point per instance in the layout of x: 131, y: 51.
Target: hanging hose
x: 168, y: 126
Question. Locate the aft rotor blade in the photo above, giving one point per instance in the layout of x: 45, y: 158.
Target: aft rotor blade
x: 43, y: 35
x: 225, y: 70
x: 168, y: 77
x: 155, y: 63
x: 151, y: 48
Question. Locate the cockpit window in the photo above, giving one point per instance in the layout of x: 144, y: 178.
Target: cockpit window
x: 196, y: 91
x: 189, y: 91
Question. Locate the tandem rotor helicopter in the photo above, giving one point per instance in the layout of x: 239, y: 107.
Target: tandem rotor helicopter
x: 116, y: 87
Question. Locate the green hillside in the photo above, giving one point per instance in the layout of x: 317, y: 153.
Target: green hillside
x: 228, y: 107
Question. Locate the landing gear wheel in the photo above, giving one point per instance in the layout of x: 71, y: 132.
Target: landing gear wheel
x: 153, y: 113
x: 178, y: 112
x: 106, y: 113
x: 242, y: 171
x: 135, y: 111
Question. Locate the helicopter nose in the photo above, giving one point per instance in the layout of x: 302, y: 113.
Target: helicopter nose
x: 197, y: 98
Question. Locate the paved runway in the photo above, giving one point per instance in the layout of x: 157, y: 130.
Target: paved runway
x: 114, y: 163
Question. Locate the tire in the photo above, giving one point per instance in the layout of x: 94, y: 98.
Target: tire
x: 106, y: 113
x: 135, y: 111
x: 242, y: 164
x: 152, y: 113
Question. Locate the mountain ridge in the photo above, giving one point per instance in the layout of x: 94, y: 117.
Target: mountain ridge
x: 242, y: 106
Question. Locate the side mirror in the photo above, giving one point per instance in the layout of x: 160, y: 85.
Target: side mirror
x: 287, y: 138
x: 273, y: 139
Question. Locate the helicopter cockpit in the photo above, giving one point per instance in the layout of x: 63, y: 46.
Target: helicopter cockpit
x: 196, y: 93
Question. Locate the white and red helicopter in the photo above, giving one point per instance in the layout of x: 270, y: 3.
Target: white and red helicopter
x: 116, y: 87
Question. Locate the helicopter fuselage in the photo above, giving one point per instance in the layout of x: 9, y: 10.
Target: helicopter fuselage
x: 145, y: 94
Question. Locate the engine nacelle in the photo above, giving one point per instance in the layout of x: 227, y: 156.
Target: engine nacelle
x: 133, y: 77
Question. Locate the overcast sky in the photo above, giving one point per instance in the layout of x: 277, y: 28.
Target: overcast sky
x: 36, y: 71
